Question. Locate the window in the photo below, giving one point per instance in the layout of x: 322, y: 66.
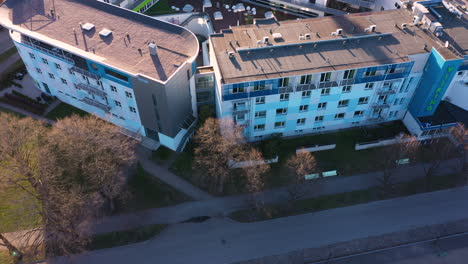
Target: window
x: 408, y: 85
x: 284, y: 97
x: 51, y: 76
x: 387, y: 84
x: 113, y: 88
x: 339, y: 116
x: 391, y: 70
x: 258, y: 86
x: 238, y: 105
x: 325, y: 77
x: 358, y: 113
x: 238, y: 88
x: 346, y: 89
x: 279, y: 124
x: 306, y: 94
x: 343, y: 103
x: 305, y: 79
x: 281, y: 111
x: 301, y: 121
x: 325, y: 91
x: 71, y: 72
x: 369, y: 86
x: 32, y: 56
x: 240, y: 117
x: 260, y: 100
x: 396, y: 101
x: 318, y: 118
x: 401, y: 101
x: 303, y: 108
x: 322, y: 106
x: 370, y: 73
x: 395, y: 114
x: 349, y: 74
x: 363, y: 100
x: 63, y: 81
x: 132, y: 109
x: 58, y: 66
x: 283, y: 82
x: 116, y: 75
x: 390, y: 114
x: 129, y: 94
x: 259, y: 127
x: 260, y: 114
x: 99, y: 83
x: 117, y: 103
x: 38, y: 70
x: 460, y: 73
x: 44, y: 61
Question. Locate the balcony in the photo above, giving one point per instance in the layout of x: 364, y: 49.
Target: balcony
x: 305, y: 87
x: 347, y: 82
x: 96, y: 104
x: 288, y: 89
x: 376, y: 119
x: 85, y: 72
x: 327, y: 84
x: 380, y: 105
x: 91, y: 89
x: 48, y: 51
x: 386, y: 91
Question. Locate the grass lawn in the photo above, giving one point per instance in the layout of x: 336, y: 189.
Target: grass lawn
x: 148, y: 192
x: 5, y: 257
x: 346, y: 199
x: 121, y: 238
x: 160, y: 8
x: 17, y: 211
x: 64, y: 110
x: 8, y: 53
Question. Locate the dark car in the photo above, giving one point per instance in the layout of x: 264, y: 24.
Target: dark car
x: 19, y: 76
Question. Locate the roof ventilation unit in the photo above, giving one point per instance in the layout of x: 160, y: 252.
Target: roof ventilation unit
x: 307, y: 36
x: 266, y: 40
x: 372, y: 28
x: 259, y: 43
x: 230, y: 54
x: 87, y: 26
x: 277, y: 36
x: 404, y: 25
x: 105, y: 32
x: 334, y: 34
x: 153, y: 49
x: 302, y: 37
x: 339, y: 31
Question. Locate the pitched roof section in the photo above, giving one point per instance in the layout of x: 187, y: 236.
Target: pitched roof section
x: 60, y: 20
x: 353, y: 44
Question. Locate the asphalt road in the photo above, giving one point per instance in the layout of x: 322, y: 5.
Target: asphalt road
x: 202, y: 242
x: 451, y: 250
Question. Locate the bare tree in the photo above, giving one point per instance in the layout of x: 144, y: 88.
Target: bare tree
x: 220, y: 143
x: 67, y: 172
x: 300, y: 165
x: 406, y: 147
x: 460, y: 134
x: 255, y: 172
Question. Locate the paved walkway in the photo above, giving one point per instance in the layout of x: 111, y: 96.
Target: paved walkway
x: 222, y: 206
x: 26, y: 113
x: 220, y: 241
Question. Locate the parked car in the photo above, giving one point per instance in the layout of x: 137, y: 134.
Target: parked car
x: 19, y: 76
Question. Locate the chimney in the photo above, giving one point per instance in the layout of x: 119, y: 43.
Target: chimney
x: 152, y: 48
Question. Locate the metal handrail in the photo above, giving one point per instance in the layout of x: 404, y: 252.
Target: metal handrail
x: 96, y: 104
x: 91, y: 89
x: 53, y: 53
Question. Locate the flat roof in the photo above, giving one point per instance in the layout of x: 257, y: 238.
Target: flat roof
x: 288, y: 56
x: 455, y: 30
x: 175, y: 45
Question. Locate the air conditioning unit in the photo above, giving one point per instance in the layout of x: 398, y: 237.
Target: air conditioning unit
x: 339, y: 31
x: 302, y: 37
x: 334, y: 34
x: 372, y: 28
x: 230, y: 54
x: 266, y: 40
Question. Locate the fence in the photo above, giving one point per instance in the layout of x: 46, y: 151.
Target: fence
x: 316, y: 148
x: 250, y: 163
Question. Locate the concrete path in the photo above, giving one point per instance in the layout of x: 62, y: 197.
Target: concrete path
x: 144, y: 157
x: 222, y: 206
x: 26, y: 113
x: 220, y: 241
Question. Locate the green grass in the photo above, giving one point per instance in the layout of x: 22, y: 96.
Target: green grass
x: 121, y: 238
x: 64, y: 110
x: 17, y: 211
x: 346, y: 199
x: 7, y: 54
x: 148, y: 192
x: 160, y: 8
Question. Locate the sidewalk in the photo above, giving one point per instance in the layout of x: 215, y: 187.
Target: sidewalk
x: 222, y: 206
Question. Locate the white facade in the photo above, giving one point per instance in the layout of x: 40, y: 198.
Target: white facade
x: 457, y: 92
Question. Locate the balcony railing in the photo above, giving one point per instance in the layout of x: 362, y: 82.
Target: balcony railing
x: 96, y: 104
x: 288, y: 89
x: 91, y: 89
x: 386, y: 91
x: 85, y: 73
x: 375, y: 119
x: 347, y: 82
x: 380, y: 105
x: 327, y: 84
x: 305, y: 87
x: 48, y: 51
